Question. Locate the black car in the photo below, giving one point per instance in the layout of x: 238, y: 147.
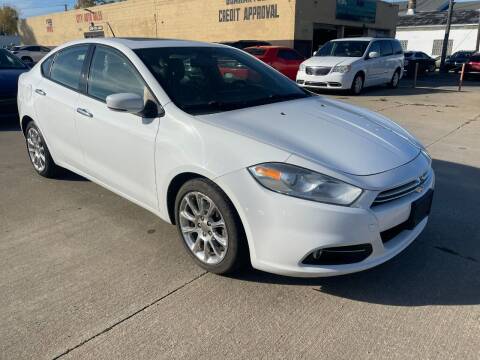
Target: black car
x: 425, y: 62
x: 11, y: 68
x: 243, y: 44
x: 455, y: 61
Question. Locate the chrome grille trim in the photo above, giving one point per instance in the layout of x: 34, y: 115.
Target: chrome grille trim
x: 401, y: 191
x: 317, y: 70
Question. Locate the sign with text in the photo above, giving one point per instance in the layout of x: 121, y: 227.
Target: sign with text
x: 247, y: 10
x: 357, y: 10
x: 88, y: 17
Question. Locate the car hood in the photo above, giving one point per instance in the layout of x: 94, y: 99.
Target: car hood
x: 9, y: 81
x: 329, y: 61
x: 338, y: 136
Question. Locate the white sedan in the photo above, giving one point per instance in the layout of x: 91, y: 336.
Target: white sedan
x: 249, y: 166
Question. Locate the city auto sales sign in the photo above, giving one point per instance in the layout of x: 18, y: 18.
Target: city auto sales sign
x: 252, y: 10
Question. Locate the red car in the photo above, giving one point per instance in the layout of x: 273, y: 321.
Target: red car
x: 284, y: 59
x: 473, y: 65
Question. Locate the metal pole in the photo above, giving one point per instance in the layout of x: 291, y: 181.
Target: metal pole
x: 462, y: 75
x: 415, y: 75
x: 66, y: 8
x: 447, y: 34
x: 478, y: 33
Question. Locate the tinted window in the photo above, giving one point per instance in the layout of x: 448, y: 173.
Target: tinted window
x: 397, y: 47
x: 386, y: 48
x: 46, y: 66
x: 343, y: 48
x: 8, y: 61
x: 256, y: 51
x: 67, y: 67
x: 33, y: 48
x: 475, y: 58
x: 408, y: 55
x: 202, y: 80
x: 45, y: 49
x: 289, y: 55
x: 375, y: 47
x: 111, y: 73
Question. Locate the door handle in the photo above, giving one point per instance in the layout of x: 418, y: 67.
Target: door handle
x: 40, y: 92
x: 84, y: 112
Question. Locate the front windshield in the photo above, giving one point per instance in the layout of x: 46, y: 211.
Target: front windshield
x: 355, y: 48
x: 8, y: 61
x: 203, y: 80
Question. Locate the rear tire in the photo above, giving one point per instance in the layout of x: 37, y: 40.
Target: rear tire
x: 209, y: 227
x: 357, y: 84
x: 38, y: 152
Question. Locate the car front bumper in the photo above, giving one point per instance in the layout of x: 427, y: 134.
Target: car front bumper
x: 333, y: 81
x: 282, y: 231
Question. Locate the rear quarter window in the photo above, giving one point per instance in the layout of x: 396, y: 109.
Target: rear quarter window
x: 256, y: 51
x: 397, y: 48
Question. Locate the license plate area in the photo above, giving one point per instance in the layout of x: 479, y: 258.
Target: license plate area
x: 420, y: 209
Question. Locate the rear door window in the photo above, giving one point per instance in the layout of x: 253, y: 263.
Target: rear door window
x: 67, y: 68
x: 397, y: 47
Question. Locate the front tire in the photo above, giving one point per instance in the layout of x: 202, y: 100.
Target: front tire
x: 210, y: 228
x: 38, y: 152
x: 357, y: 84
x: 395, y: 81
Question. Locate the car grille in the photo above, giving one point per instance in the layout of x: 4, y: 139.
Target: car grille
x: 401, y: 191
x: 318, y: 70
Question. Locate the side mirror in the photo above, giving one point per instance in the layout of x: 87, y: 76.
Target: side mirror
x: 126, y: 102
x: 373, y: 55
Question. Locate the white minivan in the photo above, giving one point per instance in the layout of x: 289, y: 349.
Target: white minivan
x: 352, y: 64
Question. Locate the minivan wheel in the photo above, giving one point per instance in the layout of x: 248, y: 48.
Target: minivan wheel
x: 357, y: 84
x: 395, y: 81
x: 38, y: 152
x: 209, y: 227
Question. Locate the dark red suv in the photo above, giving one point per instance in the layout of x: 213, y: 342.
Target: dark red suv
x: 284, y: 59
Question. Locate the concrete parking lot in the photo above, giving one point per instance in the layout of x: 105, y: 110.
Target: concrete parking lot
x: 85, y: 274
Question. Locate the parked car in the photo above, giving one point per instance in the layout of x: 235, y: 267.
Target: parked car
x: 30, y: 53
x: 251, y: 169
x: 353, y: 64
x: 456, y: 61
x: 472, y: 68
x: 425, y: 62
x: 10, y: 70
x: 281, y: 58
x: 242, y: 44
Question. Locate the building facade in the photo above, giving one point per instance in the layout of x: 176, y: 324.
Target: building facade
x: 303, y: 24
x: 426, y: 31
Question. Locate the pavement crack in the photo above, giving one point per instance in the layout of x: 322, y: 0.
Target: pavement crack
x: 453, y: 252
x: 128, y: 317
x: 459, y: 127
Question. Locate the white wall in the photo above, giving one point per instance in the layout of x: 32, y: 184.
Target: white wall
x: 422, y: 39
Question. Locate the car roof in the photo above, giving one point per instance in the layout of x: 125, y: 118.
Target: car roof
x: 362, y: 39
x: 141, y: 43
x: 266, y: 47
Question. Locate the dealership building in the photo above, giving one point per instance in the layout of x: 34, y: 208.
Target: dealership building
x: 302, y: 24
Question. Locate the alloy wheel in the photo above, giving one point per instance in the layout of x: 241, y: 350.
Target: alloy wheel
x: 36, y: 149
x: 203, y: 228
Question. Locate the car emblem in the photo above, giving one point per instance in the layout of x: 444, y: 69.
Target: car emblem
x: 419, y: 189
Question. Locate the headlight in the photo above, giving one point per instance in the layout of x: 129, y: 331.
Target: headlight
x: 341, y: 69
x: 306, y: 184
x: 302, y: 67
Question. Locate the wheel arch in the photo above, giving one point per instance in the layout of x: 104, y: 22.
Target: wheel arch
x: 24, y: 123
